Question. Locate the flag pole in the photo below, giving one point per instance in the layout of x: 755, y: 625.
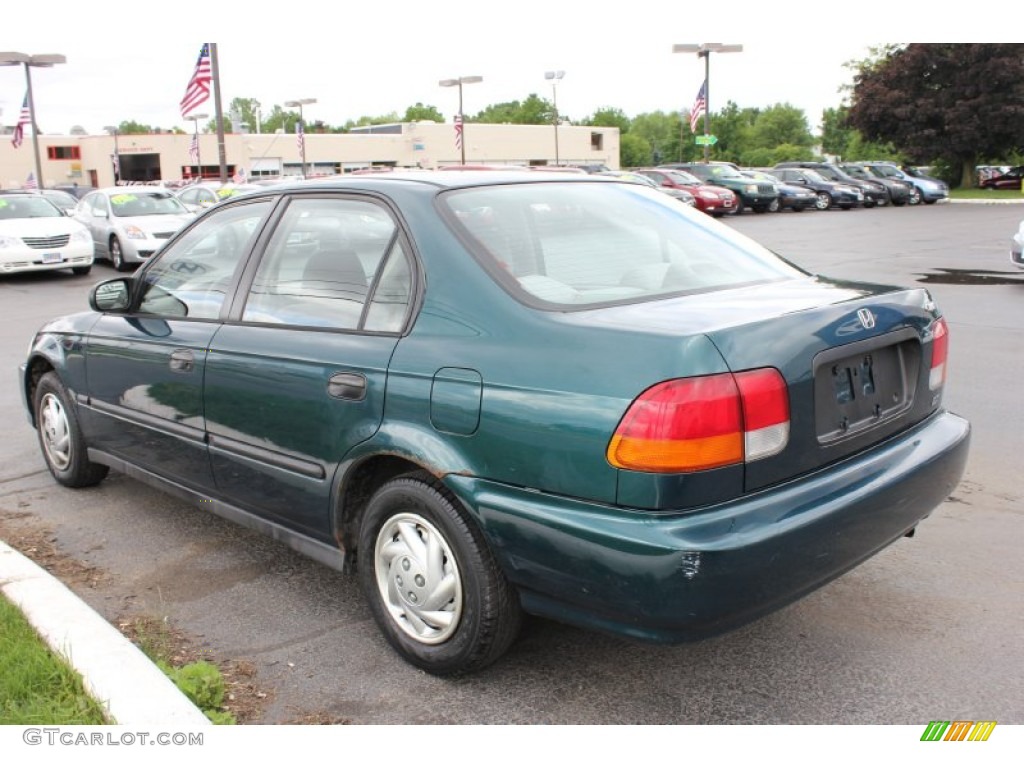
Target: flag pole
x: 218, y: 113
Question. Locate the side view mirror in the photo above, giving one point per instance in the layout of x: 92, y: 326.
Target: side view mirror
x: 111, y: 295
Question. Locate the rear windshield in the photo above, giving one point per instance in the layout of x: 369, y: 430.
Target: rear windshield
x: 145, y: 204
x: 587, y: 244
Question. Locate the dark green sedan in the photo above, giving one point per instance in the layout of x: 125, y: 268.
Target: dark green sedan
x: 492, y: 394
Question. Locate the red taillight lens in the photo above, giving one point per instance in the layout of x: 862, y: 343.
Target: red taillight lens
x: 686, y: 425
x: 940, y: 352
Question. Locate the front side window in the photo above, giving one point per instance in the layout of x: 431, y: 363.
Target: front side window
x: 191, y: 278
x: 569, y: 245
x: 321, y: 263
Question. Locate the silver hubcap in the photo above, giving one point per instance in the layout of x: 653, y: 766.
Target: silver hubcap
x: 53, y: 425
x: 824, y: 201
x: 418, y: 578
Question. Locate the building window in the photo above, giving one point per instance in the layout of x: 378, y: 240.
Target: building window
x: 63, y: 153
x: 597, y: 142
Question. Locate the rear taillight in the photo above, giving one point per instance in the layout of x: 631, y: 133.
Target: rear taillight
x: 686, y: 425
x: 940, y: 351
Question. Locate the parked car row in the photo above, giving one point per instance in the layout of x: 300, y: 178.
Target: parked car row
x: 797, y: 185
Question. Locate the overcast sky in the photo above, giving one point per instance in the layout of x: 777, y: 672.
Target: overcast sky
x: 132, y: 60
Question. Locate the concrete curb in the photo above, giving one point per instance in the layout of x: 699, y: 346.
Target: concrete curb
x: 130, y: 688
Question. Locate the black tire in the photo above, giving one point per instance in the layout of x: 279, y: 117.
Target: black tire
x: 81, y: 270
x: 740, y: 206
x: 915, y: 196
x: 799, y: 208
x: 823, y: 202
x: 60, y: 437
x: 117, y: 255
x: 450, y: 614
x: 929, y: 202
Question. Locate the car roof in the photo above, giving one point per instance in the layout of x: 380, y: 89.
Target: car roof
x: 440, y: 179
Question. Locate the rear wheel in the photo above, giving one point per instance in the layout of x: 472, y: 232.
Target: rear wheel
x: 60, y: 437
x: 915, y: 196
x: 774, y: 206
x: 433, y: 586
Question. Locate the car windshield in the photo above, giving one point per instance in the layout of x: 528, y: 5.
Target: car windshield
x: 813, y: 175
x: 27, y: 207
x: 128, y: 204
x: 571, y: 245
x: 884, y: 171
x: 682, y: 177
x: 721, y: 172
x: 856, y: 172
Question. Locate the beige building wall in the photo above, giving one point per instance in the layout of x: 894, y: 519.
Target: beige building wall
x: 86, y: 160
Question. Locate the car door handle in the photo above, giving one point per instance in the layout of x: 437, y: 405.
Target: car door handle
x: 183, y: 361
x: 347, y: 386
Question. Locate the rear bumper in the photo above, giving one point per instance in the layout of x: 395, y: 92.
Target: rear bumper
x: 673, y: 577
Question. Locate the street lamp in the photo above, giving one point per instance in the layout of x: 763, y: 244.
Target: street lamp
x: 112, y: 129
x: 13, y: 58
x: 195, y: 137
x: 555, y: 78
x: 302, y: 128
x: 459, y: 81
x: 705, y: 50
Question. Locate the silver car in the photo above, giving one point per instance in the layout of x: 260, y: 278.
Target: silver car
x: 1017, y: 247
x: 130, y: 224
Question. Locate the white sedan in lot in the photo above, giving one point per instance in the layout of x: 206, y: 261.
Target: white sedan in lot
x: 35, y: 235
x: 1017, y: 247
x: 130, y: 224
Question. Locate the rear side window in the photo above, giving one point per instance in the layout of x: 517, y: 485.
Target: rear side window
x: 322, y: 263
x: 584, y: 244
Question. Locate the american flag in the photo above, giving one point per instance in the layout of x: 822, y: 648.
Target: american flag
x: 458, y: 131
x: 193, y: 148
x: 198, y: 89
x: 700, y: 106
x: 30, y: 182
x: 25, y: 118
x: 300, y: 137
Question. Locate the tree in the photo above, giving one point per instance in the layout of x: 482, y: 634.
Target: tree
x: 948, y: 102
x: 634, y: 151
x: 609, y: 117
x: 420, y: 113
x: 130, y: 126
x: 780, y: 124
x: 661, y: 130
x: 533, y: 111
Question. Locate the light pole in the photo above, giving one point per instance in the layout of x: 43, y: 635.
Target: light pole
x: 555, y: 78
x: 459, y: 81
x: 302, y: 128
x: 112, y: 129
x: 705, y: 50
x: 195, y: 137
x: 13, y: 58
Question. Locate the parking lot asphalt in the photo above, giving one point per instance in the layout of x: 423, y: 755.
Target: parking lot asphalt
x: 133, y: 691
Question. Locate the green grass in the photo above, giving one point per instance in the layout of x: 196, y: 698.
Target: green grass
x: 37, y: 687
x: 986, y: 194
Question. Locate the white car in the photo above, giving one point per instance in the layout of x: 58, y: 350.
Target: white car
x: 35, y: 235
x: 130, y: 224
x: 1017, y: 247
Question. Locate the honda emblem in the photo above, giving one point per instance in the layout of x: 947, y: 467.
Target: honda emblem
x: 867, y: 319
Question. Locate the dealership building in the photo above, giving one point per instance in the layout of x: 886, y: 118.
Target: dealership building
x: 90, y: 161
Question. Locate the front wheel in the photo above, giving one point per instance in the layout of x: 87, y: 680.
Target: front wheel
x: 915, y: 196
x: 117, y: 255
x: 60, y: 437
x: 824, y: 201
x: 774, y: 206
x: 433, y: 586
